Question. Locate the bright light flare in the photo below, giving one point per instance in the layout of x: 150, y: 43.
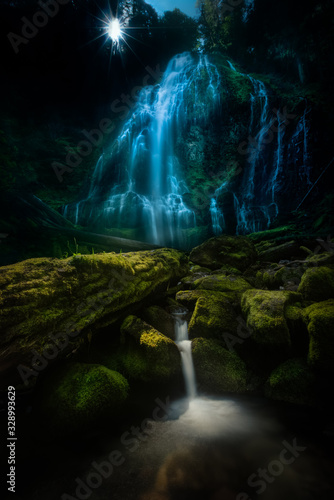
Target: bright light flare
x: 114, y: 30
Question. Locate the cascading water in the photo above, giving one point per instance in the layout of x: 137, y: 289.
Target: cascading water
x: 264, y: 180
x: 140, y: 186
x: 185, y: 346
x: 254, y: 208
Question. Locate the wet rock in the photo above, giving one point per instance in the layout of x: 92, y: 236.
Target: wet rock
x: 234, y: 251
x: 148, y: 355
x: 218, y: 370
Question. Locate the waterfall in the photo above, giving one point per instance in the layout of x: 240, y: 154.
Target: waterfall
x: 217, y: 217
x: 255, y: 207
x: 138, y: 185
x: 185, y: 346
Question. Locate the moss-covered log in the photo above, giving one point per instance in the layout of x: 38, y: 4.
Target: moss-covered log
x: 49, y: 304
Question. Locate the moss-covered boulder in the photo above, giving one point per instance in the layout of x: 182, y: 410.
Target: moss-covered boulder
x: 160, y: 319
x: 74, y: 397
x: 75, y: 297
x: 148, y: 355
x: 189, y: 298
x: 275, y: 253
x: 294, y: 316
x: 234, y: 251
x: 278, y: 277
x: 292, y: 382
x: 319, y: 318
x: 196, y: 272
x: 212, y: 317
x: 317, y: 284
x: 264, y: 311
x: 217, y: 370
x: 223, y: 283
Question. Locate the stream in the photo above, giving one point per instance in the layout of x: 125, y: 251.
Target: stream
x: 193, y: 447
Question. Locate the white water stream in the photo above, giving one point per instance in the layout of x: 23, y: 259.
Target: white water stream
x: 184, y: 345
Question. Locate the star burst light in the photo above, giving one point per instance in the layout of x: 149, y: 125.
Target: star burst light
x: 115, y: 30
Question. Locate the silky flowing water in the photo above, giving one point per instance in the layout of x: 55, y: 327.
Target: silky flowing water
x: 195, y: 447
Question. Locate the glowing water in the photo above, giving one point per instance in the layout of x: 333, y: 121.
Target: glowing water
x: 256, y: 201
x: 184, y: 345
x: 217, y: 217
x: 139, y: 183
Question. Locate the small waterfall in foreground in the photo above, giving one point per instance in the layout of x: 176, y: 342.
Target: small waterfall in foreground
x: 185, y: 345
x: 139, y: 185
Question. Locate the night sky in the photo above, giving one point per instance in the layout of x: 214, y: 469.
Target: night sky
x: 187, y: 6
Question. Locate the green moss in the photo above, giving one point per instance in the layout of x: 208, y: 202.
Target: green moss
x: 89, y: 292
x: 148, y: 355
x: 265, y: 313
x: 322, y: 259
x: 212, y: 317
x: 189, y: 298
x: 317, y: 284
x: 223, y: 283
x: 234, y: 251
x: 320, y: 323
x: 272, y: 234
x: 76, y: 396
x: 293, y: 382
x: 218, y: 370
x: 239, y: 85
x: 160, y: 319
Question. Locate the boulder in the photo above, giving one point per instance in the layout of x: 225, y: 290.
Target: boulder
x: 212, y: 317
x: 276, y: 253
x: 294, y: 316
x: 148, y: 355
x: 160, y: 319
x: 264, y: 311
x: 74, y: 397
x: 317, y: 284
x: 189, y: 298
x: 234, y: 251
x: 223, y: 283
x: 292, y: 382
x: 52, y: 301
x: 217, y: 370
x: 319, y: 318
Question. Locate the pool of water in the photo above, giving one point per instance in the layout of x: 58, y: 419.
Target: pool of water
x: 203, y: 448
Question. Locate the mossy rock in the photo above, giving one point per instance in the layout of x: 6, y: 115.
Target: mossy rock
x: 292, y: 382
x: 294, y: 315
x: 160, y: 319
x: 319, y: 318
x: 317, y: 284
x: 276, y: 277
x: 223, y: 283
x: 264, y: 311
x: 188, y: 281
x: 76, y: 396
x: 218, y: 371
x: 148, y: 355
x: 212, y: 317
x: 285, y: 251
x: 189, y: 298
x: 321, y: 259
x: 77, y: 296
x: 234, y: 251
